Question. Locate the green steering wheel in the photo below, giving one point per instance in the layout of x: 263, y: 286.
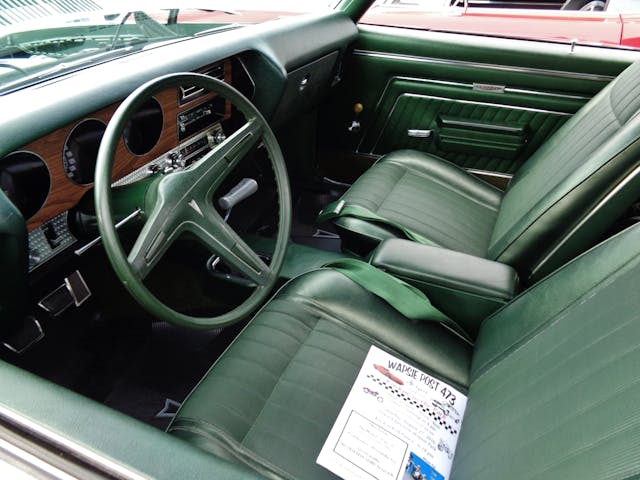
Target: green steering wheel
x: 183, y: 202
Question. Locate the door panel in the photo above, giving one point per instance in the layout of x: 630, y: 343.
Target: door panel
x: 484, y: 103
x: 465, y: 128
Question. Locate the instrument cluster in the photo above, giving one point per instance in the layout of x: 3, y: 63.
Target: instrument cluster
x: 48, y: 177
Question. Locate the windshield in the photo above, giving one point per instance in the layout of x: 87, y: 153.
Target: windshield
x: 41, y: 39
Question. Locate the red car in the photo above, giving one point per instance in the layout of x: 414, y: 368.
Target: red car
x: 608, y: 28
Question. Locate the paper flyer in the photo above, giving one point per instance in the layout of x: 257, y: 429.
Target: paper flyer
x: 397, y: 423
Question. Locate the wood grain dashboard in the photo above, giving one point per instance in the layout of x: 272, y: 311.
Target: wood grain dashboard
x: 64, y: 193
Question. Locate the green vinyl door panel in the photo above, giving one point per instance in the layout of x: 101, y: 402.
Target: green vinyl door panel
x: 483, y: 103
x: 479, y: 134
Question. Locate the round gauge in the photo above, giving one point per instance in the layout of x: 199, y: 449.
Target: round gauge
x: 25, y: 179
x: 81, y: 151
x: 143, y: 130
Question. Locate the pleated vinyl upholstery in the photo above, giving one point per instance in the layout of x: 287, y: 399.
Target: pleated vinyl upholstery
x: 430, y: 197
x: 555, y: 387
x: 272, y: 398
x: 592, y: 138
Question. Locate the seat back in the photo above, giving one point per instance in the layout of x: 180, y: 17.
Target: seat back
x: 566, y: 195
x: 555, y: 383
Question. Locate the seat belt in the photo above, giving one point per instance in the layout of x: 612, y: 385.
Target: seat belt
x: 339, y: 207
x: 405, y: 298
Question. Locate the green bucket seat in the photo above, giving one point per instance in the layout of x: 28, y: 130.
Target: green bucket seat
x: 553, y: 379
x: 557, y: 205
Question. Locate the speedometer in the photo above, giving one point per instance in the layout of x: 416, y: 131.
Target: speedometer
x: 81, y: 151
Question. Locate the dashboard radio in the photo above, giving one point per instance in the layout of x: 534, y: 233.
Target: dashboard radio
x: 201, y: 116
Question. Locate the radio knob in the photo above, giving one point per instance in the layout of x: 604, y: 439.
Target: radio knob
x: 219, y: 137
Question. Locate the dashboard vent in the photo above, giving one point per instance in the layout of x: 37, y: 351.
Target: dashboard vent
x: 191, y: 92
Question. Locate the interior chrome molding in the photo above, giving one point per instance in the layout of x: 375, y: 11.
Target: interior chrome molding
x: 472, y: 86
x: 487, y: 173
x: 251, y: 80
x: 90, y: 457
x: 488, y: 66
x: 586, y: 218
x: 467, y: 102
x: 20, y: 456
x: 497, y: 179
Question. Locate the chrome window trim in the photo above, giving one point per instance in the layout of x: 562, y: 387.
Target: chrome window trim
x: 467, y: 102
x: 83, y: 453
x: 488, y: 66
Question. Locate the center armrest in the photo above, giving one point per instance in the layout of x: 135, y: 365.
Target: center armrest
x: 464, y: 287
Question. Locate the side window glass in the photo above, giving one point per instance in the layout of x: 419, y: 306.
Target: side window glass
x: 610, y: 23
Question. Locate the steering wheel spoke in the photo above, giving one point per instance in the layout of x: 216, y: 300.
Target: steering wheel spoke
x: 156, y: 237
x: 222, y: 240
x: 213, y: 168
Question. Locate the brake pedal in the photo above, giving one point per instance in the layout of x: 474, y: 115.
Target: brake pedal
x: 30, y: 334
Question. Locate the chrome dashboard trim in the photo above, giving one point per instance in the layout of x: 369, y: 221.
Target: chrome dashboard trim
x: 246, y: 71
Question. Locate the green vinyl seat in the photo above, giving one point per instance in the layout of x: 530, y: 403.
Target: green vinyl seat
x: 553, y: 379
x: 567, y: 194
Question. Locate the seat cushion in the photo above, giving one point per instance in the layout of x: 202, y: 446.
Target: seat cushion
x: 272, y: 398
x: 554, y: 386
x: 431, y: 197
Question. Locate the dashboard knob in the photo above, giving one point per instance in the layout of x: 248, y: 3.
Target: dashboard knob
x: 219, y: 137
x: 34, y: 257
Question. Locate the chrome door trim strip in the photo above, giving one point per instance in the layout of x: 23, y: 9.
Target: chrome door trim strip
x: 489, y: 66
x: 470, y: 86
x: 467, y: 102
x: 462, y: 85
x: 25, y: 458
x: 83, y: 453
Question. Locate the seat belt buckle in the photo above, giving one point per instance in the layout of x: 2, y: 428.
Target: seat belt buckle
x: 335, y: 209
